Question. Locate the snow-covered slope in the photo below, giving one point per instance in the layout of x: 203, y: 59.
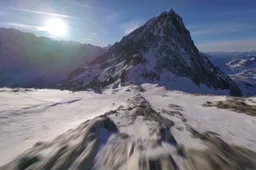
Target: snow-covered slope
x: 29, y: 116
x: 162, y: 52
x: 241, y: 64
x: 244, y: 73
x: 145, y: 127
x: 241, y: 68
x: 30, y: 61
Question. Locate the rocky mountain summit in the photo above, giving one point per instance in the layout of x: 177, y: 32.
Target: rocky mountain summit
x: 160, y: 52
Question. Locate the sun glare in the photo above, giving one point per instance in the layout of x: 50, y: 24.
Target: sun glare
x: 56, y: 27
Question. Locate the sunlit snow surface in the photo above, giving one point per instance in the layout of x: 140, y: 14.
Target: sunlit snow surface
x: 29, y: 116
x: 234, y: 128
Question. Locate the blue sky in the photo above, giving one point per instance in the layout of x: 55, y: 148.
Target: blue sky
x: 219, y: 25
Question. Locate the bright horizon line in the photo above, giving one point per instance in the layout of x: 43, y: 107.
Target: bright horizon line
x: 102, y: 46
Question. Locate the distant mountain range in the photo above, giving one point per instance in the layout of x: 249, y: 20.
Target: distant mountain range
x: 30, y: 61
x: 240, y: 66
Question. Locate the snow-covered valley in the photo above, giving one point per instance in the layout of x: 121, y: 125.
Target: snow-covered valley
x: 162, y: 122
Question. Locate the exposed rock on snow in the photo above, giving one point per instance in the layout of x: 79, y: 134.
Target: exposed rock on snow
x: 153, y: 129
x: 236, y: 104
x: 219, y: 155
x: 75, y: 149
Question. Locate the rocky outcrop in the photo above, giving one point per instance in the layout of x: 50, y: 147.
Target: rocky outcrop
x: 75, y: 149
x: 134, y: 136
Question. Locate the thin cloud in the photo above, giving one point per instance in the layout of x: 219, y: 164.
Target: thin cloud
x: 94, y: 33
x: 131, y: 26
x: 86, y: 39
x: 235, y: 13
x: 113, y: 17
x: 84, y: 5
x: 44, y: 13
x: 105, y: 32
x: 80, y: 4
x: 25, y: 26
x: 2, y: 13
x: 217, y: 29
x: 229, y: 46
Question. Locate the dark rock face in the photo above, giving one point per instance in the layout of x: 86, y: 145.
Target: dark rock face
x: 162, y: 52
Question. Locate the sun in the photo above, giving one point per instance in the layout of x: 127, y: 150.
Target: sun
x: 56, y: 27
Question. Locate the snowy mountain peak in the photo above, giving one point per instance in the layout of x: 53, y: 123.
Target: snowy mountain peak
x: 172, y: 14
x: 168, y: 25
x: 161, y: 52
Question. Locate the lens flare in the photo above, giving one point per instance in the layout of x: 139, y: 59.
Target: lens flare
x: 56, y: 27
